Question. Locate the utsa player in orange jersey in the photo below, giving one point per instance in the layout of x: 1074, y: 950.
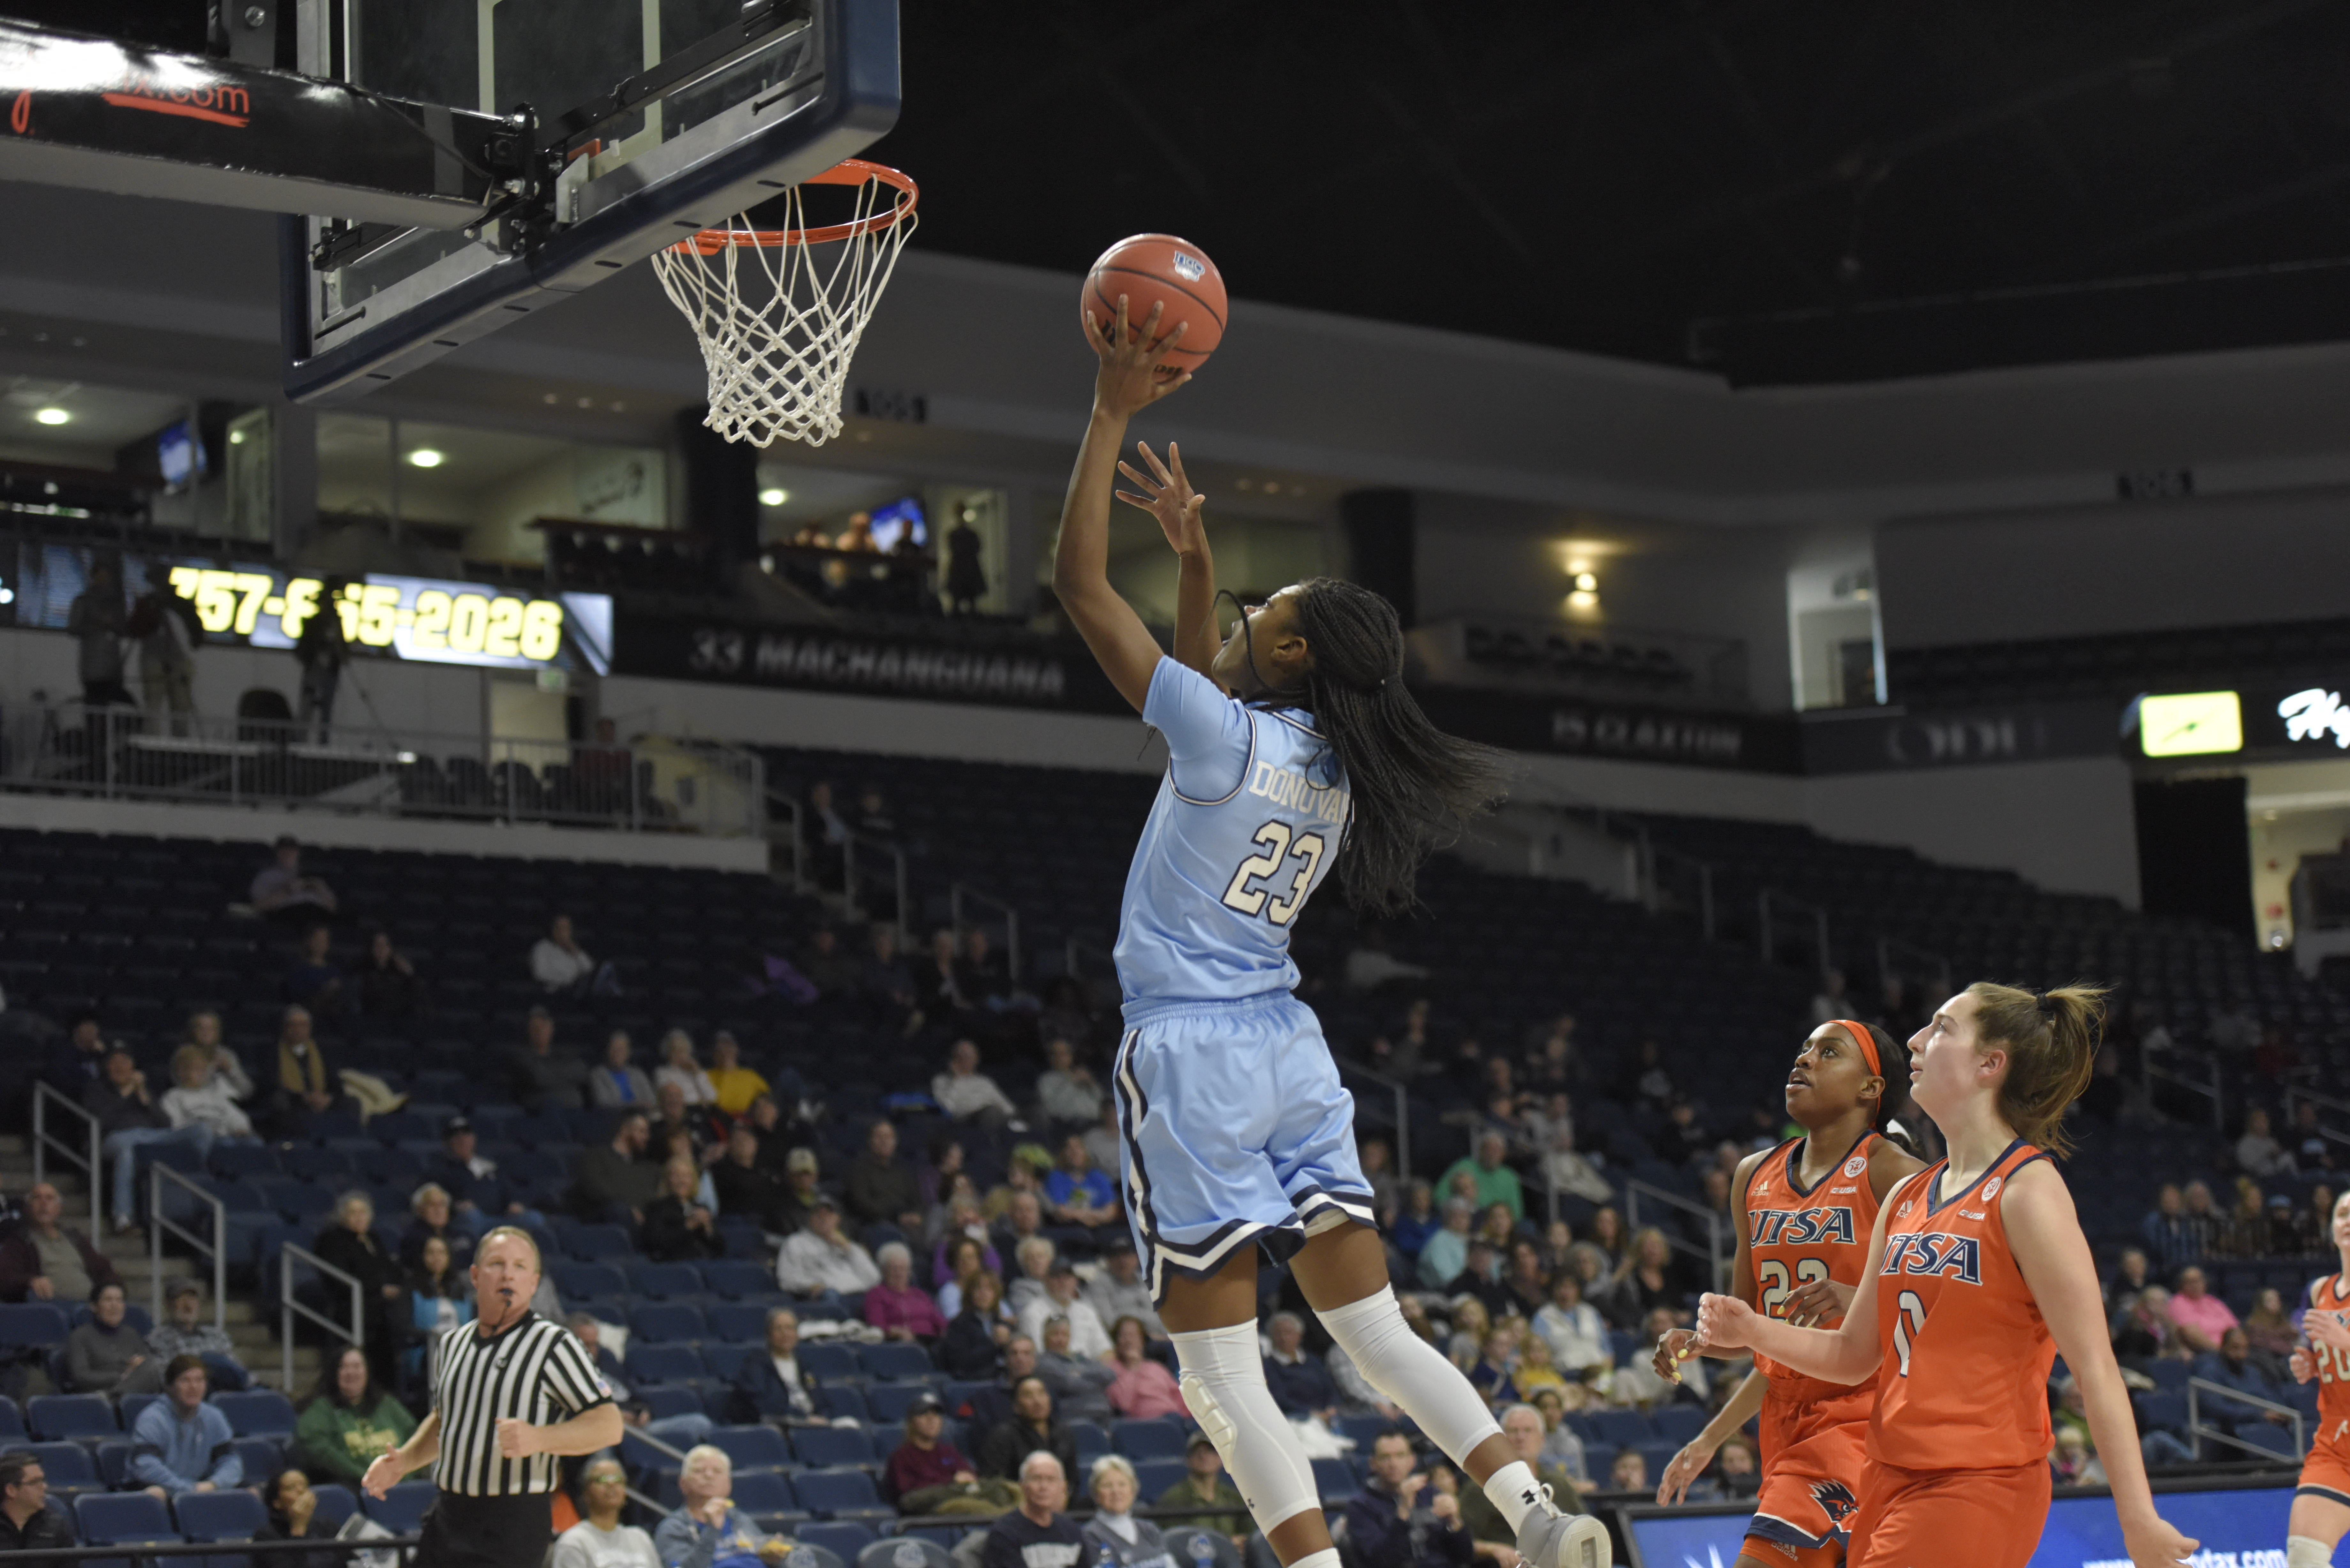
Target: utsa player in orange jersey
x: 2321, y: 1504
x: 1810, y: 1206
x: 1979, y: 1275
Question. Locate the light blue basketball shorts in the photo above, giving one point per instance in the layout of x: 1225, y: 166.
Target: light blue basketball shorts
x: 1232, y: 1129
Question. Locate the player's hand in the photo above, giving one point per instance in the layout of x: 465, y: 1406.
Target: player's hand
x: 382, y: 1475
x: 1167, y: 495
x: 1674, y: 1347
x: 2327, y: 1328
x: 1723, y: 1323
x: 2155, y: 1545
x: 1684, y: 1470
x: 517, y: 1438
x: 1128, y: 381
x: 2302, y: 1363
x: 1820, y: 1305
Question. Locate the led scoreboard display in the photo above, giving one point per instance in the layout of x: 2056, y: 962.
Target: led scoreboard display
x: 416, y: 618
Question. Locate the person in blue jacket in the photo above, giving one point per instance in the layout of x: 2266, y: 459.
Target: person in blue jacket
x: 180, y: 1443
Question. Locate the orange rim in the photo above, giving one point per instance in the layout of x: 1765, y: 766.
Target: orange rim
x: 848, y: 171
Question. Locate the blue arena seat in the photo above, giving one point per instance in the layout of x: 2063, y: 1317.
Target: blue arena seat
x: 896, y: 1362
x: 738, y: 1278
x: 827, y: 1448
x: 665, y: 1322
x: 828, y: 1363
x: 664, y: 1363
x: 846, y: 1541
x: 12, y: 1421
x: 258, y: 1413
x: 235, y: 1514
x: 752, y: 1447
x: 336, y: 1504
x: 62, y: 1418
x: 122, y: 1519
x: 401, y: 1508
x: 1091, y: 1440
x: 664, y: 1282
x: 595, y: 1243
x: 1161, y: 1438
x: 764, y: 1493
x: 889, y: 1402
x: 736, y: 1321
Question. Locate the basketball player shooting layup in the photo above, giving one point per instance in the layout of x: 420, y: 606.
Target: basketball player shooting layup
x: 1293, y: 750
x: 1978, y: 1276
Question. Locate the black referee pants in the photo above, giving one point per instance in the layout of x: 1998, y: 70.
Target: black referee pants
x: 487, y: 1532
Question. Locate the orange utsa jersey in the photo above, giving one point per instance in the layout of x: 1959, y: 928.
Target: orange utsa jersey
x: 1965, y: 1377
x: 2331, y: 1293
x: 1797, y: 1235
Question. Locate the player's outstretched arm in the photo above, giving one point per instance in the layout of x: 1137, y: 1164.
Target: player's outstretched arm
x: 1698, y: 1451
x: 1167, y: 495
x: 1125, y: 383
x: 2044, y: 1233
x: 1848, y: 1353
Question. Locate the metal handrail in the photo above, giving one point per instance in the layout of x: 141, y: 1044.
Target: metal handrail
x: 848, y: 873
x: 1654, y: 857
x: 405, y: 1545
x: 794, y: 815
x: 1402, y: 1112
x: 287, y: 1306
x: 958, y: 891
x: 1073, y: 946
x: 1717, y: 1256
x: 1764, y: 897
x: 2293, y: 1093
x: 43, y: 1141
x: 2208, y: 1083
x: 2196, y: 1428
x: 1887, y: 946
x: 158, y: 1222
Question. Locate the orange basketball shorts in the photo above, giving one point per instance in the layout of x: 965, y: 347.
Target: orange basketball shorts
x: 1814, y: 1453
x: 2326, y: 1471
x: 1950, y: 1519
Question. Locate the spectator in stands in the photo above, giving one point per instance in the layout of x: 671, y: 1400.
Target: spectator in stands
x: 599, y: 1539
x: 543, y: 1080
x: 199, y: 1095
x: 1037, y: 1534
x: 1561, y: 1447
x: 881, y: 1188
x: 2258, y: 1153
x: 708, y: 1529
x: 1522, y: 1427
x: 349, y: 1244
x: 2200, y: 1318
x: 2313, y: 1225
x: 746, y: 1188
x: 1117, y: 1538
x: 1652, y: 1276
x: 1080, y: 1383
x: 1830, y: 1003
x: 677, y: 1229
x: 819, y: 1262
x: 618, y: 1081
x: 1639, y: 1384
x: 1089, y: 1335
x: 108, y: 1354
x: 304, y: 1083
x: 1416, y: 1222
x: 695, y: 1131
x: 2245, y: 1230
x: 991, y: 1406
x: 968, y: 1094
x: 433, y: 1217
x: 130, y: 1120
x: 938, y: 982
x: 1386, y: 1526
x: 832, y: 971
x: 563, y: 968
x: 77, y: 1061
x: 779, y: 1136
x: 927, y: 1474
x: 1205, y: 1485
x: 385, y: 984
x: 471, y: 1179
x: 2270, y: 1334
x: 1118, y: 1290
x: 1142, y: 1387
x: 900, y: 1308
x: 1446, y: 1252
x: 1082, y: 1200
x: 1650, y: 1080
x: 1033, y: 1256
x: 2310, y: 1149
x: 1300, y: 1382
x: 2070, y: 1462
x: 802, y: 1187
x: 2142, y: 1331
x: 770, y: 1386
x: 180, y: 1443
x: 2233, y: 1365
x: 27, y: 1523
x: 281, y: 892
x: 440, y: 1298
x: 1571, y: 1326
x: 2129, y: 1277
x: 203, y: 1032
x: 611, y: 1178
x: 679, y: 1068
x: 49, y: 1262
x: 2201, y: 1215
x: 316, y: 979
x: 1068, y: 1098
x: 183, y: 1332
x: 294, y: 1516
x: 1629, y: 1472
x: 972, y: 1347
x: 1034, y: 1428
x: 734, y: 1085
x: 883, y: 979
x: 347, y: 1421
x: 1526, y: 1282
x: 1022, y: 1211
x: 1488, y: 1168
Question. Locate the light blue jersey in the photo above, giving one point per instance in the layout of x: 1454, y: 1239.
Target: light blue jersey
x: 1249, y: 820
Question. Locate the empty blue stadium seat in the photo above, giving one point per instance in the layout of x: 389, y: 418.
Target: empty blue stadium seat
x: 841, y: 1494
x: 336, y: 1504
x: 736, y: 1321
x: 114, y: 1462
x: 12, y: 1421
x: 843, y: 1542
x: 1153, y: 1477
x: 235, y: 1514
x: 846, y: 1401
x: 664, y: 1282
x: 1622, y: 1429
x: 752, y: 1447
x: 2165, y: 1408
x: 263, y: 1460
x: 826, y: 1362
x: 595, y: 1243
x: 122, y: 1519
x: 738, y: 1278
x: 830, y: 1448
x: 889, y: 1402
x: 1679, y: 1424
x: 1091, y: 1440
x: 400, y: 1510
x: 2169, y: 1373
x: 133, y: 1404
x: 258, y: 1413
x: 576, y: 1279
x: 898, y: 1362
x: 664, y: 1363
x: 1335, y: 1481
x: 61, y: 1418
x: 665, y: 1322
x: 1160, y: 1437
x: 2261, y: 1435
x: 763, y: 1492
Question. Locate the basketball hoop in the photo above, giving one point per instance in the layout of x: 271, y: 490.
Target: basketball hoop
x: 777, y: 334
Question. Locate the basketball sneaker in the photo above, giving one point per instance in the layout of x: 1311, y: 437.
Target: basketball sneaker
x: 1549, y: 1538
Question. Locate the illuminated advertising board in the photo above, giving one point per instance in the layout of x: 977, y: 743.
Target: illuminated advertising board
x: 2192, y: 724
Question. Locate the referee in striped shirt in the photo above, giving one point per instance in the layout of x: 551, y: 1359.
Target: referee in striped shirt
x: 512, y: 1392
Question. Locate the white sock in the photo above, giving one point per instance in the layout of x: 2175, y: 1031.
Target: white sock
x: 1513, y: 1490
x: 1326, y: 1558
x: 2306, y: 1551
x: 1415, y: 1375
x: 1223, y: 1386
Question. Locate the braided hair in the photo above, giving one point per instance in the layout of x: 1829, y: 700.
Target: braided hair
x: 1414, y: 786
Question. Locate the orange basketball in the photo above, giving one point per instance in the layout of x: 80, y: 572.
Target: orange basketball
x: 1151, y: 268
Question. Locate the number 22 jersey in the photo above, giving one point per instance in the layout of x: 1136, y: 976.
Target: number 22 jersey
x: 1248, y: 822
x: 1797, y: 1235
x: 1964, y: 1383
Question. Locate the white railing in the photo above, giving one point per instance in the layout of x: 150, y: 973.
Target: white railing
x: 288, y: 1308
x: 654, y: 785
x: 1402, y: 1097
x: 159, y: 1219
x: 959, y: 891
x: 2198, y: 1387
x: 43, y: 1141
x: 1719, y: 1248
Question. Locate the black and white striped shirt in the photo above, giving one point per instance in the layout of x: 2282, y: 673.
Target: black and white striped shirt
x: 534, y: 1370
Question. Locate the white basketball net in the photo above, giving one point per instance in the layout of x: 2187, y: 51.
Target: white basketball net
x: 777, y: 332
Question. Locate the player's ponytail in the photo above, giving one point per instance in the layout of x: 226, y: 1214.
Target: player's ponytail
x: 2050, y: 1038
x: 1414, y: 786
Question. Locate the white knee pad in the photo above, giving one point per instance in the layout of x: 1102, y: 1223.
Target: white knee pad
x: 1223, y: 1387
x: 1411, y: 1372
x: 2304, y: 1552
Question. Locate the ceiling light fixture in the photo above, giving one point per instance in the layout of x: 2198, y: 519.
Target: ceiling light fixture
x: 773, y: 497
x: 52, y: 417
x: 425, y: 456
x: 1585, y: 582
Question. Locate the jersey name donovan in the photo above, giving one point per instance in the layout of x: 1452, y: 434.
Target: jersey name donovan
x: 1288, y: 788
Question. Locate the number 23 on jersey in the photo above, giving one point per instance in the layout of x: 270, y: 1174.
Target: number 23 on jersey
x: 1251, y: 890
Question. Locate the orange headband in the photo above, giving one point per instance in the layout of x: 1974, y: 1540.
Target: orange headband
x: 1866, y: 1042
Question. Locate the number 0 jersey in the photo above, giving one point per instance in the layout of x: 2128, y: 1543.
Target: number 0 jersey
x: 1797, y: 1235
x: 1248, y: 822
x: 1964, y: 1383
